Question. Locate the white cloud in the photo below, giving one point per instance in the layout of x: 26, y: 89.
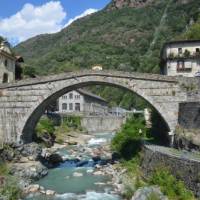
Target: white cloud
x: 32, y: 20
x: 85, y: 13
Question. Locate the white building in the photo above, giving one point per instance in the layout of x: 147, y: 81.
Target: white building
x: 82, y: 101
x: 7, y: 63
x: 181, y: 58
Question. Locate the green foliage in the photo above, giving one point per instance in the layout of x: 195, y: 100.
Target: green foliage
x: 127, y: 142
x: 153, y: 196
x: 47, y: 132
x: 169, y: 185
x: 45, y: 126
x: 29, y: 71
x: 1, y: 39
x: 72, y: 122
x: 193, y: 33
x: 127, y: 39
x: 11, y: 191
x: 3, y: 168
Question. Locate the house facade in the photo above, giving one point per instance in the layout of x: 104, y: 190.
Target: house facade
x: 10, y: 65
x: 81, y: 101
x: 181, y: 58
x: 7, y: 63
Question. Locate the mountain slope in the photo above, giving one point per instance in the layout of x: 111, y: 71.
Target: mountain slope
x: 124, y: 38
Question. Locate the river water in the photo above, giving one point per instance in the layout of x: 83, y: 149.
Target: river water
x: 75, y: 178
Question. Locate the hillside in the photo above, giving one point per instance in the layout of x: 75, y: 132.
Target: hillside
x: 126, y: 35
x: 127, y: 38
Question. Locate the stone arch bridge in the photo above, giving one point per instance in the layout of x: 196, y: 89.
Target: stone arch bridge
x: 22, y: 103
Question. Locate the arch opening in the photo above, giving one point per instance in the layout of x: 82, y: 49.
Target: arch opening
x: 30, y: 124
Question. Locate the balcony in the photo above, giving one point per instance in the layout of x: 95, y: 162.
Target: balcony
x: 185, y: 55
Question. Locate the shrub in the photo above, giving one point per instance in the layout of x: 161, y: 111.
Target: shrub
x: 73, y: 122
x: 12, y: 192
x: 127, y: 142
x: 3, y: 168
x: 169, y: 185
x: 44, y: 126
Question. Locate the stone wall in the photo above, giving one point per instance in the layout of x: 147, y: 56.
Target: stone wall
x: 189, y: 115
x: 187, y: 170
x: 102, y: 123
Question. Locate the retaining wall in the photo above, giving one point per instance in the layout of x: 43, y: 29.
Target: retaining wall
x: 102, y: 123
x: 184, y: 169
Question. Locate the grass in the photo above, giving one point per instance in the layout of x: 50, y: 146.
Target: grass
x: 47, y: 129
x: 169, y: 185
x: 10, y: 190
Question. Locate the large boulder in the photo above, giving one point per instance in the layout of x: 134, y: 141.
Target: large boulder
x: 147, y: 193
x: 30, y: 171
x: 55, y: 159
x: 31, y: 149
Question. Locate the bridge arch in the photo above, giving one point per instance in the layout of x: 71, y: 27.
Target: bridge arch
x: 22, y: 103
x: 34, y: 114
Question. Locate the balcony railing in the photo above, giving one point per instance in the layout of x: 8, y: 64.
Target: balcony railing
x: 188, y: 55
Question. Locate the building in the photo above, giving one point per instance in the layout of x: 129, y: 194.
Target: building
x: 10, y: 66
x: 81, y: 101
x: 7, y: 63
x: 181, y: 58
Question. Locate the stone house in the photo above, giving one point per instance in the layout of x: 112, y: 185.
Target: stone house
x: 10, y: 66
x: 81, y: 101
x: 181, y: 58
x: 7, y: 63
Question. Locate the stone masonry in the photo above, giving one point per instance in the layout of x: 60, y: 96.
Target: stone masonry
x: 184, y: 166
x: 22, y: 103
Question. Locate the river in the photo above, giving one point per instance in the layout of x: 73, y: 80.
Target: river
x: 81, y: 176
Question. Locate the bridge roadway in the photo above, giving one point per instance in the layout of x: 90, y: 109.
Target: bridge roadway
x: 22, y: 103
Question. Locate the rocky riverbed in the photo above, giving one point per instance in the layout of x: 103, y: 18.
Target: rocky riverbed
x: 82, y: 168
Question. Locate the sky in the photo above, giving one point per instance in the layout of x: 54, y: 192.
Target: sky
x: 23, y: 19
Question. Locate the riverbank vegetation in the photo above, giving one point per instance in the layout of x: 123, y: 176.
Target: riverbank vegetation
x: 48, y: 131
x: 9, y: 188
x: 128, y: 144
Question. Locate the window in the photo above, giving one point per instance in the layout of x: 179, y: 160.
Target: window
x: 6, y: 63
x: 71, y: 106
x: 70, y: 95
x: 77, y: 96
x: 180, y: 65
x: 64, y: 106
x: 5, y: 78
x: 197, y: 51
x: 77, y: 107
x: 180, y: 51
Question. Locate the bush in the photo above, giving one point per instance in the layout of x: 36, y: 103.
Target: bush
x: 45, y: 132
x: 127, y: 142
x: 12, y: 192
x: 73, y: 122
x: 3, y: 168
x: 44, y: 126
x: 169, y: 185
